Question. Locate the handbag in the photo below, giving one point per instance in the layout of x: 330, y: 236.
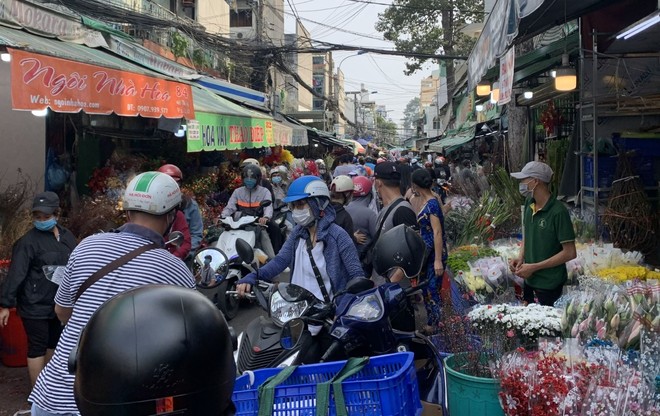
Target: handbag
x: 115, y: 264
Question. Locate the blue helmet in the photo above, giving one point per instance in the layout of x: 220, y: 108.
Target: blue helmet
x: 308, y: 187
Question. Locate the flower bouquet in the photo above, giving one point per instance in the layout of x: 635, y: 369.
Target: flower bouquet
x: 522, y: 325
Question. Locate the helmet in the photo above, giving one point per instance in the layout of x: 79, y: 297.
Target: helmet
x: 274, y: 171
x: 152, y: 192
x: 361, y: 186
x: 171, y: 170
x: 341, y: 183
x: 127, y: 364
x: 251, y: 171
x: 320, y: 162
x: 380, y: 160
x: 249, y: 161
x: 308, y: 186
x: 401, y: 247
x: 283, y: 170
x: 428, y: 164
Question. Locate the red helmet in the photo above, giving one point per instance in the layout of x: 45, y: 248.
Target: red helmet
x: 361, y: 186
x: 172, y: 170
x: 380, y: 160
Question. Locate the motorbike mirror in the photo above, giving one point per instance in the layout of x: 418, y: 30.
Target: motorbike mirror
x: 360, y: 284
x: 292, y: 333
x: 217, y: 261
x: 175, y: 238
x: 265, y: 203
x: 244, y: 250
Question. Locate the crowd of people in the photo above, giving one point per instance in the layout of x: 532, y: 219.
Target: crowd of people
x: 337, y: 216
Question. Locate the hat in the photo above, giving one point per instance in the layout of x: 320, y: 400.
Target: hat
x: 387, y: 171
x: 536, y: 170
x: 46, y: 202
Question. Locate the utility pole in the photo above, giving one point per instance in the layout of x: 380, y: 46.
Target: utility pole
x: 355, y: 109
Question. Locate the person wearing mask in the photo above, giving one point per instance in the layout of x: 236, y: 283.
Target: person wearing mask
x: 323, y: 171
x: 548, y: 237
x: 26, y: 285
x: 341, y: 193
x: 363, y: 216
x: 206, y: 275
x: 320, y: 254
x: 396, y: 210
x: 264, y: 178
x: 189, y: 207
x: 441, y: 168
x: 279, y: 187
x: 104, y: 265
x: 247, y: 200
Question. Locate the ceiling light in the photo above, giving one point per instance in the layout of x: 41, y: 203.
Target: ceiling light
x: 566, y: 79
x: 40, y: 113
x: 5, y: 57
x: 479, y: 107
x: 528, y: 95
x: 483, y: 88
x: 640, y: 26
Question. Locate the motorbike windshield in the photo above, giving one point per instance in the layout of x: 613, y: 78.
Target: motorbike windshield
x: 294, y: 293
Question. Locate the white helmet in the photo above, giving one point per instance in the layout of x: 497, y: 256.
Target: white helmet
x: 155, y: 193
x: 274, y: 171
x: 249, y: 161
x: 342, y: 183
x: 320, y: 162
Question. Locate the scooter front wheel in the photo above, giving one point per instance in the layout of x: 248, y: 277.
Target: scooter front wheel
x: 228, y: 304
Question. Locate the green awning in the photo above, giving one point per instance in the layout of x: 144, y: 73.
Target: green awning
x: 453, y: 139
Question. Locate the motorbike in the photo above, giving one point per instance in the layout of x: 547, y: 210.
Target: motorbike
x: 363, y: 327
x: 260, y: 345
x: 226, y: 263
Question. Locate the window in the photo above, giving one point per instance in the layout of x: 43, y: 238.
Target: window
x: 436, y: 123
x: 318, y: 83
x: 318, y: 60
x: 240, y: 18
x: 318, y: 105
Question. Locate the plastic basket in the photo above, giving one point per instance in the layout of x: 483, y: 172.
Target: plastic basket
x: 386, y: 386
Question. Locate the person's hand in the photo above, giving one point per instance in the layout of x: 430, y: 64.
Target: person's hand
x: 4, y: 317
x: 514, y: 264
x: 438, y: 267
x: 263, y: 220
x: 525, y: 270
x: 243, y: 289
x: 360, y: 237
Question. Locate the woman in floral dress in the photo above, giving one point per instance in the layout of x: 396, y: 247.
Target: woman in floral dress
x: 431, y: 223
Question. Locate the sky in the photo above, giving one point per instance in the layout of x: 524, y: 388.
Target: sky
x: 353, y: 23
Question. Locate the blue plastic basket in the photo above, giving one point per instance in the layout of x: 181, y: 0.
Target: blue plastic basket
x: 386, y: 386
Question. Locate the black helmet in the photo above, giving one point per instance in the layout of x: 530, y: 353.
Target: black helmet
x: 251, y: 171
x: 155, y: 349
x: 401, y: 247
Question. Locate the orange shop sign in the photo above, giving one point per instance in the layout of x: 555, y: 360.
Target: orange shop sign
x: 40, y: 81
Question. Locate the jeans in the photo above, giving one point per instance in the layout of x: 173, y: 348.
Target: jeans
x: 37, y: 411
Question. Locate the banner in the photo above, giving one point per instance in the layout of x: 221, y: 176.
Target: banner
x: 40, y: 81
x: 209, y: 132
x: 283, y: 134
x: 507, y: 69
x: 44, y: 21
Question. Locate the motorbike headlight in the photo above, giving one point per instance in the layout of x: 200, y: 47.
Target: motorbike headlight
x: 369, y: 308
x: 282, y: 311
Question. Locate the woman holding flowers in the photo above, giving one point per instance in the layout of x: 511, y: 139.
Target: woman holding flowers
x: 430, y: 218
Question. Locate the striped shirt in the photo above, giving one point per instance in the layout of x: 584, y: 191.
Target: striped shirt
x: 53, y: 391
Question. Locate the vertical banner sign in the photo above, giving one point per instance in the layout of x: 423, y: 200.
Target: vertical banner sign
x: 40, y: 81
x: 507, y: 69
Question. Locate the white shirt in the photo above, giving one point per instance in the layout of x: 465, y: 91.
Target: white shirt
x: 303, y: 273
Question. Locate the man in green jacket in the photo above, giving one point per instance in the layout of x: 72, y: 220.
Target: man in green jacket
x: 548, y: 237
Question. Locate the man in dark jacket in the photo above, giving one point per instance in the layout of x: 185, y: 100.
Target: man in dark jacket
x: 26, y: 286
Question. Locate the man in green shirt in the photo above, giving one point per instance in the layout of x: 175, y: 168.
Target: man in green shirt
x: 548, y: 237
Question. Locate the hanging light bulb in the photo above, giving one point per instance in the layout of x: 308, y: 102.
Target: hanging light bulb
x: 495, y: 93
x: 483, y: 88
x: 479, y: 107
x: 40, y: 113
x: 566, y: 79
x: 5, y: 57
x: 528, y: 95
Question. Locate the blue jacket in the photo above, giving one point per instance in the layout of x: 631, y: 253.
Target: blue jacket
x: 341, y: 257
x: 195, y: 223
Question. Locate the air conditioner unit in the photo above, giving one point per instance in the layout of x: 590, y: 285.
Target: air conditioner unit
x: 239, y: 35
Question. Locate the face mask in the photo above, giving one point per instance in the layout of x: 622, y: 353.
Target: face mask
x: 250, y: 183
x: 523, y: 188
x: 276, y: 180
x: 303, y: 217
x: 207, y: 262
x: 322, y: 171
x: 45, y: 225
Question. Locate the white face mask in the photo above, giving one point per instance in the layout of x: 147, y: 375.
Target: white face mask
x: 302, y: 217
x: 523, y: 188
